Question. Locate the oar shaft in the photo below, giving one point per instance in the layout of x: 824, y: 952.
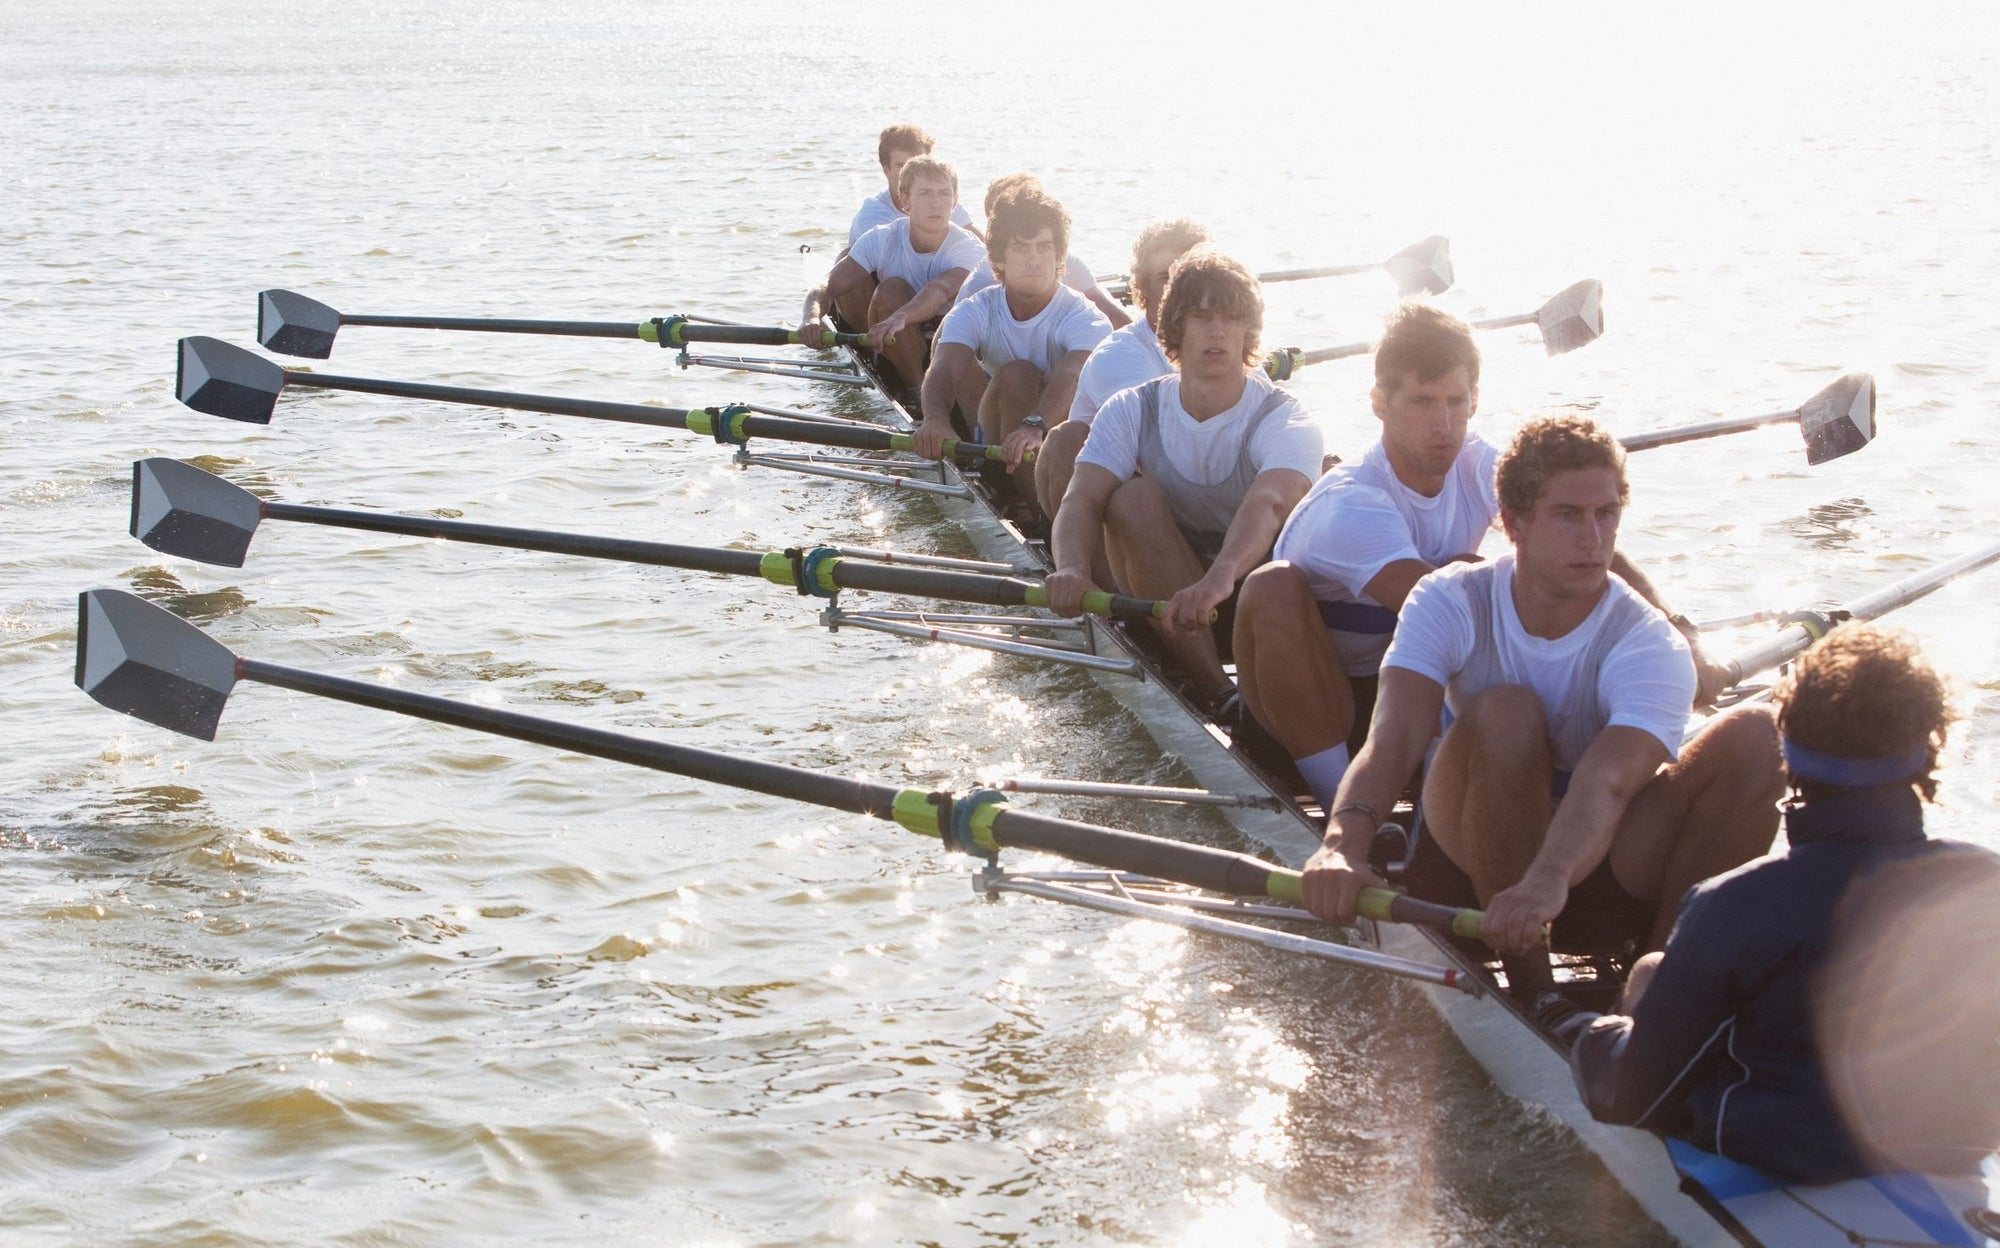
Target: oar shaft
x: 1323, y: 354
x: 1706, y: 429
x: 501, y: 325
x: 626, y: 550
x: 1196, y: 865
x: 835, y: 573
x: 849, y: 437
x: 1331, y: 270
x: 1794, y: 640
x: 774, y: 779
x: 555, y: 405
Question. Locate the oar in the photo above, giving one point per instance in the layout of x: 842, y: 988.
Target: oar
x: 292, y: 324
x: 1422, y: 268
x: 224, y: 380
x: 180, y: 510
x: 145, y: 661
x: 1570, y: 319
x: 1813, y: 625
x: 1837, y: 421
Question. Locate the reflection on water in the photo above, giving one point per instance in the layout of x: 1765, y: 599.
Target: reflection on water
x: 343, y: 977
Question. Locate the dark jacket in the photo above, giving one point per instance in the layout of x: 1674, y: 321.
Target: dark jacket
x: 1721, y: 1051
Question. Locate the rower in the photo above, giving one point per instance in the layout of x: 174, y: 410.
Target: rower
x: 1561, y: 790
x: 1131, y: 355
x: 1187, y: 478
x: 1075, y: 274
x: 901, y: 275
x: 1011, y: 353
x: 1769, y: 1030
x: 1311, y: 627
x: 896, y: 147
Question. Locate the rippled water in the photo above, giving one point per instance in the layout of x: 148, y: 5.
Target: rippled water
x: 340, y: 976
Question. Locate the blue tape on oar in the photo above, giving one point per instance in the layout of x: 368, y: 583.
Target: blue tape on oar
x: 805, y: 570
x: 957, y: 829
x: 722, y: 424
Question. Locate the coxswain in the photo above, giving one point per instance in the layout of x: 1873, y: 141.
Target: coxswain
x: 1561, y: 790
x: 1130, y: 356
x: 896, y: 147
x: 1186, y: 479
x: 900, y: 276
x: 1010, y: 355
x: 1827, y: 1012
x: 1311, y: 626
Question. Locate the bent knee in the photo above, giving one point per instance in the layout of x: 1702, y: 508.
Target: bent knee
x: 1019, y: 375
x: 1275, y: 590
x: 1744, y: 744
x: 1504, y: 713
x: 1138, y: 501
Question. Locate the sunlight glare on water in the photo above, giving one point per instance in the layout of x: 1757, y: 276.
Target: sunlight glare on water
x: 341, y: 977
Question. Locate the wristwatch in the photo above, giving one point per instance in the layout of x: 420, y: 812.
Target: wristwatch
x: 1036, y: 423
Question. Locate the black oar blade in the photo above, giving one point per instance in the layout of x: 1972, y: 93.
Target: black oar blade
x: 223, y: 380
x: 1574, y: 318
x: 291, y: 324
x: 1840, y: 419
x: 178, y: 509
x: 1422, y: 268
x: 149, y: 663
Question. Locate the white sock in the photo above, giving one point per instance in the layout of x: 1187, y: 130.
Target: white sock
x: 1323, y: 772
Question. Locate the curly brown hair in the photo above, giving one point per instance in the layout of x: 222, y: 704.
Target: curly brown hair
x: 1022, y: 211
x: 1180, y: 236
x: 903, y: 138
x: 1205, y: 279
x: 924, y: 167
x: 1424, y: 343
x: 1549, y: 445
x: 1866, y: 691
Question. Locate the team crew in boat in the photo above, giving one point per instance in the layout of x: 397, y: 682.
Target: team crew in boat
x: 1186, y: 479
x: 1561, y: 791
x: 1011, y: 353
x: 1312, y: 626
x: 1762, y: 1033
x: 1075, y: 273
x: 900, y: 276
x: 1130, y: 356
x: 897, y: 146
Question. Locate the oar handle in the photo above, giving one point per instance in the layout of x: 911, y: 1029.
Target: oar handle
x: 827, y: 570
x: 678, y: 331
x: 1385, y: 906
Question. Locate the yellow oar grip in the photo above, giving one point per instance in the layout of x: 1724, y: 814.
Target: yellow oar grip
x: 915, y: 811
x: 776, y: 567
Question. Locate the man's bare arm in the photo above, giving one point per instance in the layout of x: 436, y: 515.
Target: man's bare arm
x: 1622, y: 761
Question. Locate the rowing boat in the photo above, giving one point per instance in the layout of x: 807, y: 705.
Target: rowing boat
x: 1697, y: 1197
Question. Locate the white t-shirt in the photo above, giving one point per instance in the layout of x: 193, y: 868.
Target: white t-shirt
x: 1069, y: 323
x: 1130, y: 356
x: 1645, y: 679
x: 886, y: 252
x: 880, y: 209
x: 1076, y: 276
x: 1206, y: 451
x: 1356, y: 521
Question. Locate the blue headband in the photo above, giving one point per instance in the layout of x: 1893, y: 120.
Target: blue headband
x: 1813, y: 767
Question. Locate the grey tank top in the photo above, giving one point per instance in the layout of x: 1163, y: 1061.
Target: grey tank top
x: 1574, y: 724
x: 1205, y: 510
